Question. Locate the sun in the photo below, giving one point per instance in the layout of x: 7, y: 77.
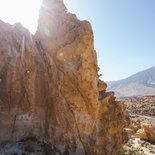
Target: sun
x: 24, y: 11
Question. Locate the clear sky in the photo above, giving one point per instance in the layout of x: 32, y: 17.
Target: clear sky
x: 124, y: 30
x: 124, y: 33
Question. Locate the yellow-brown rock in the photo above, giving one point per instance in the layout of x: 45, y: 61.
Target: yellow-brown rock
x: 50, y: 93
x: 150, y: 132
x: 141, y: 134
x: 130, y: 131
x: 147, y: 132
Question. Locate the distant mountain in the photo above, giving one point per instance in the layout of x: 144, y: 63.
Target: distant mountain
x: 139, y: 84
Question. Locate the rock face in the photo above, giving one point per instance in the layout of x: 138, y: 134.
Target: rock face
x: 50, y: 91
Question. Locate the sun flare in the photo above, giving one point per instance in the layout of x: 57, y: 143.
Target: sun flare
x: 24, y: 11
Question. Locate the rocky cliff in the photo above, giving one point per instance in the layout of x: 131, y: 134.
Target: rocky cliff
x: 51, y: 98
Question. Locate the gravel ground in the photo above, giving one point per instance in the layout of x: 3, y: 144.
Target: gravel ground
x: 143, y: 109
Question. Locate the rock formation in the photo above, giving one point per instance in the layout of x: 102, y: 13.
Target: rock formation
x: 50, y: 92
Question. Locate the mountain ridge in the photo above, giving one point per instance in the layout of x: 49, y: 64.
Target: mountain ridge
x: 138, y: 84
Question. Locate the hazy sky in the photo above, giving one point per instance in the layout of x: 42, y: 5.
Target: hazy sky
x: 24, y: 11
x: 124, y: 30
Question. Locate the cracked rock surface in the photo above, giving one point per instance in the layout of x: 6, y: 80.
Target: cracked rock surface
x: 50, y: 92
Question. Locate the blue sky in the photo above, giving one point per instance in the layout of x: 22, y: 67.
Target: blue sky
x: 124, y: 32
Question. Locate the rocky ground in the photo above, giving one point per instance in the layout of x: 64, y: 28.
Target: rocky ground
x: 141, y: 105
x: 29, y: 146
x: 136, y: 146
x: 142, y: 127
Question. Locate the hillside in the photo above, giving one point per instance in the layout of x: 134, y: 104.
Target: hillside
x: 139, y: 84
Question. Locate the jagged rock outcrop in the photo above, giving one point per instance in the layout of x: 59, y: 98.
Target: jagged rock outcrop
x: 50, y: 89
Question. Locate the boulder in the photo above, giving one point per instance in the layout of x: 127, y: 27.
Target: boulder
x: 150, y: 132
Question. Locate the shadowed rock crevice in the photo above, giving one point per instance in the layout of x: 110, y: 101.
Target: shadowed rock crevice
x: 52, y: 89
